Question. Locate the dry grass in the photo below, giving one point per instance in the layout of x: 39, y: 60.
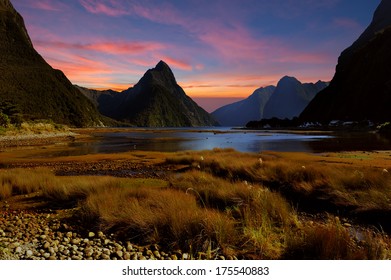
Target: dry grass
x: 165, y: 216
x: 332, y: 240
x: 21, y: 181
x: 228, y: 202
x: 335, y: 184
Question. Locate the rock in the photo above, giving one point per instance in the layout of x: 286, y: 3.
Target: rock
x: 129, y: 247
x: 105, y: 256
x: 18, y: 250
x: 126, y: 256
x: 91, y: 234
x: 69, y: 234
x: 46, y: 255
x: 157, y: 254
x: 29, y: 253
x: 46, y: 245
x: 88, y: 252
x: 76, y: 241
x: 119, y: 254
x: 185, y: 256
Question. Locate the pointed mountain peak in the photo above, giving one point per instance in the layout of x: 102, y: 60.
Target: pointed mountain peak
x: 161, y: 74
x: 161, y: 66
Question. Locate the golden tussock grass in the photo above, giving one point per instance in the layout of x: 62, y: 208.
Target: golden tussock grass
x: 228, y: 202
x: 162, y: 216
x: 332, y: 240
x: 21, y: 181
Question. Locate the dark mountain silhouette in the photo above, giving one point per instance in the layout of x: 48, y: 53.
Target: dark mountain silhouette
x: 30, y: 84
x: 287, y: 100
x: 290, y: 98
x: 241, y: 112
x: 361, y: 87
x: 155, y: 101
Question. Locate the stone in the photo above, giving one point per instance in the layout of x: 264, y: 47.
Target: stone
x: 46, y: 255
x: 76, y: 241
x: 91, y: 234
x: 18, y: 250
x: 88, y: 252
x: 101, y: 235
x: 129, y: 247
x: 29, y: 253
x: 46, y: 245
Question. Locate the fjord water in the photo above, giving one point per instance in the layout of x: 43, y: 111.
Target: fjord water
x: 181, y: 139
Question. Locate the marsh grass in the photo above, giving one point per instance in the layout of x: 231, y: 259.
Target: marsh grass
x: 236, y: 204
x: 334, y: 185
x: 21, y: 181
x: 332, y: 240
x: 162, y: 216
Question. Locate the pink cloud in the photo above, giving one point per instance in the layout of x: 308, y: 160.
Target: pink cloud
x: 48, y: 5
x: 347, y: 23
x: 110, y: 8
x: 181, y: 64
x: 106, y: 47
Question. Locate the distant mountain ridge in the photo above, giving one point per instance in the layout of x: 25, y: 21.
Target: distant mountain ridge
x: 361, y: 87
x: 287, y: 100
x: 241, y: 112
x: 33, y: 86
x: 155, y: 101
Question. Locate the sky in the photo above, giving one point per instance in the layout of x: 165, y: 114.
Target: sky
x: 219, y: 50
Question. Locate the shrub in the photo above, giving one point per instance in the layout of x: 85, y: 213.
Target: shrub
x: 4, y: 120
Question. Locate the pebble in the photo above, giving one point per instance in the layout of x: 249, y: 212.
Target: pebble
x: 29, y: 253
x: 39, y: 238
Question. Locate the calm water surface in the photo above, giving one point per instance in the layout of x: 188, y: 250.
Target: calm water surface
x: 180, y: 139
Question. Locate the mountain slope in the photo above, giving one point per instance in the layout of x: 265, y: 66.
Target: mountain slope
x: 290, y: 98
x: 361, y: 87
x: 241, y: 112
x: 29, y: 83
x: 287, y: 100
x: 155, y: 101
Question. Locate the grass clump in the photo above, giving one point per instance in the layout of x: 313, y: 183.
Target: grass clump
x: 331, y: 240
x: 21, y: 181
x: 164, y: 216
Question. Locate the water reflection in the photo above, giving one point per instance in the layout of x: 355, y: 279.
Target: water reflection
x: 172, y: 140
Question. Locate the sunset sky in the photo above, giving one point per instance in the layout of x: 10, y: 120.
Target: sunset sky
x: 218, y: 49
